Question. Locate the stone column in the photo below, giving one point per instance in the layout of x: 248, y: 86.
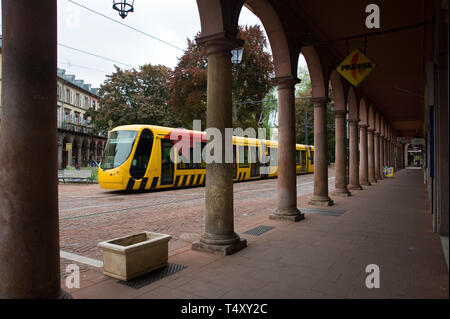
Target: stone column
x: 94, y: 155
x: 219, y: 235
x: 320, y: 195
x: 287, y: 179
x: 69, y: 152
x: 59, y: 143
x: 341, y: 154
x: 377, y: 155
x: 354, y: 156
x: 363, y: 164
x: 29, y: 236
x: 392, y: 155
x: 405, y: 157
x: 388, y: 152
x: 381, y: 157
x: 371, y: 155
x: 80, y: 153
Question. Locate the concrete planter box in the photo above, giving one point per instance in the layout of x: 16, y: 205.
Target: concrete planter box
x: 132, y: 256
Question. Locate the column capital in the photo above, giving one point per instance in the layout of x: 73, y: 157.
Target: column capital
x: 320, y: 101
x: 219, y: 42
x: 377, y: 133
x: 340, y: 113
x: 285, y: 82
x: 353, y: 121
x: 363, y: 125
x: 370, y: 130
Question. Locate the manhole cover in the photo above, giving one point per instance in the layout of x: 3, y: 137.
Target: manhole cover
x: 155, y: 275
x: 259, y: 230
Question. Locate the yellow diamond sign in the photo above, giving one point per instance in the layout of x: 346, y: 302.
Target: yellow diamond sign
x: 355, y: 67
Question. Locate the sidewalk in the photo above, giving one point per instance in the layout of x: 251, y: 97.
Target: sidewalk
x: 323, y: 256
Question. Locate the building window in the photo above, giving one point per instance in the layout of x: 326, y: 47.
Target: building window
x: 66, y: 115
x: 77, y: 100
x: 58, y: 92
x: 68, y: 96
x: 77, y: 118
x: 86, y: 102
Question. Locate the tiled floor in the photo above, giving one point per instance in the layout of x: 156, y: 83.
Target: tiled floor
x: 323, y: 256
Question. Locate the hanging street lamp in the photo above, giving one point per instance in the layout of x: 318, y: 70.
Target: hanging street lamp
x: 236, y: 55
x: 124, y: 7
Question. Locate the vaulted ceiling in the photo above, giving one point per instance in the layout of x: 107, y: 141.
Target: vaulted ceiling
x: 396, y: 87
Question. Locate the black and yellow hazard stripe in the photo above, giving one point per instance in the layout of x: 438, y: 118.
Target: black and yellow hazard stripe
x: 154, y: 183
x: 143, y: 183
x: 130, y: 184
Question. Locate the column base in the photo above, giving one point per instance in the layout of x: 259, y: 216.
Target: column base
x: 372, y: 181
x: 220, y: 249
x: 321, y: 201
x: 341, y: 192
x: 293, y: 216
x: 354, y: 187
x: 365, y: 183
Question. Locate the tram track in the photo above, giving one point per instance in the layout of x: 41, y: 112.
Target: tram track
x: 151, y: 203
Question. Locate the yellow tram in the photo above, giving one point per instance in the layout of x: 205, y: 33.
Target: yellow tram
x: 138, y: 157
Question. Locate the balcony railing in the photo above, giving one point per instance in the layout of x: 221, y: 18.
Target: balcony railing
x: 73, y: 127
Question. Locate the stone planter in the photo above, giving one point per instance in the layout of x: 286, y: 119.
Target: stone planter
x: 132, y: 256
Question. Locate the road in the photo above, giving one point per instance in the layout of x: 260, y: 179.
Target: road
x: 89, y: 214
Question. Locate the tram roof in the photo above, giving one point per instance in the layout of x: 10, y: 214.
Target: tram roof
x: 164, y: 132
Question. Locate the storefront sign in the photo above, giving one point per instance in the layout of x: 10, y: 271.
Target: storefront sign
x: 355, y: 67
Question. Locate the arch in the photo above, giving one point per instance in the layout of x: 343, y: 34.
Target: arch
x: 377, y: 121
x: 371, y: 117
x: 339, y: 91
x: 363, y: 111
x: 219, y: 20
x: 352, y: 103
x: 318, y: 82
x: 382, y: 125
x: 285, y: 61
x: 211, y: 17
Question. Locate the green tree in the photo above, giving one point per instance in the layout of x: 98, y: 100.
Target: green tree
x: 250, y: 82
x: 133, y: 97
x: 304, y: 109
x: 269, y: 112
x: 304, y: 105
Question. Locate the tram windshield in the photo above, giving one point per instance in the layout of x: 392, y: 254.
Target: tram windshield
x: 118, y: 148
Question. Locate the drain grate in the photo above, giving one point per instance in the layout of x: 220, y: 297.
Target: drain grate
x: 259, y: 230
x: 331, y: 212
x: 153, y: 276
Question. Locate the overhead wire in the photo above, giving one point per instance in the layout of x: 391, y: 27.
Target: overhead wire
x: 126, y: 25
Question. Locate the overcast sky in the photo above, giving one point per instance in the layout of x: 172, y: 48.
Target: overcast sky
x: 170, y: 20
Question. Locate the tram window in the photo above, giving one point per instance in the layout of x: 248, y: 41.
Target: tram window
x: 203, y: 164
x: 142, y: 155
x: 118, y: 148
x: 166, y: 147
x: 303, y: 158
x: 243, y: 155
x: 167, y: 166
x: 274, y: 157
x: 297, y: 157
x: 188, y: 163
x: 312, y: 156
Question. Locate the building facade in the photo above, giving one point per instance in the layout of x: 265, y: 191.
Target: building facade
x: 77, y: 145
